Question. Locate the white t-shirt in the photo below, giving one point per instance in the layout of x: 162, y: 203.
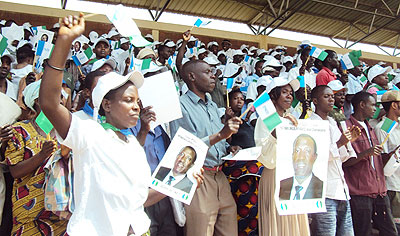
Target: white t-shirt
x: 309, y: 77
x: 12, y: 90
x: 18, y: 74
x: 111, y: 179
x: 393, y: 181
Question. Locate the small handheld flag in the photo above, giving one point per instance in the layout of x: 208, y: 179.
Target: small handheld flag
x: 266, y: 110
x: 350, y: 60
x: 126, y: 26
x: 82, y: 57
x: 388, y: 125
x: 318, y: 53
x: 200, y: 23
x: 43, y: 123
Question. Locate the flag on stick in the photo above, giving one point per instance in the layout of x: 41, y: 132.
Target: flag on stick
x: 82, y: 57
x: 126, y: 26
x: 318, y: 53
x: 388, y: 125
x: 266, y: 110
x: 350, y: 60
x: 200, y: 23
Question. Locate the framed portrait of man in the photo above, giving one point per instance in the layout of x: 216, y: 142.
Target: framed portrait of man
x: 301, y: 167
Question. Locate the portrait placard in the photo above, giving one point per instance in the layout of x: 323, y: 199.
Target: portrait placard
x: 174, y: 175
x: 301, y: 167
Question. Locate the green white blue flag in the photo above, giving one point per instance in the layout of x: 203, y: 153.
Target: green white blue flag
x: 266, y: 110
x: 388, y: 125
x: 82, y: 57
x: 351, y: 60
x: 318, y: 53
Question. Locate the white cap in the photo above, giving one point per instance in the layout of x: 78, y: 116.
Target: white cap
x: 109, y: 82
x: 211, y: 61
x: 56, y: 25
x: 287, y: 58
x: 101, y: 39
x: 304, y: 42
x: 264, y: 80
x: 6, y: 53
x: 201, y: 50
x: 112, y: 33
x: 280, y: 47
x: 170, y: 44
x: 124, y: 40
x: 27, y: 26
x: 3, y: 22
x: 377, y: 70
x: 274, y: 53
x: 271, y: 61
x: 93, y: 36
x: 212, y: 43
x: 149, y: 36
x: 282, y: 81
x: 192, y: 39
x: 261, y: 51
x: 99, y: 63
x: 23, y: 43
x: 221, y: 52
x: 336, y: 85
x: 238, y: 53
x: 244, y: 46
x: 252, y: 48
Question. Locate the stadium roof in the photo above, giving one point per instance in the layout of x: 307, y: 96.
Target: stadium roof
x: 373, y: 21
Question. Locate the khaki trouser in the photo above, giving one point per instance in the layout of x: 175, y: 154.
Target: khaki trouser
x: 213, y: 209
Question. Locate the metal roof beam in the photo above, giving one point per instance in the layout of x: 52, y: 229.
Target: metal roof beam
x: 333, y: 40
x: 158, y: 11
x: 300, y: 5
x: 390, y: 10
x: 283, y: 13
x: 63, y: 4
x: 376, y: 30
x: 351, y: 8
x: 386, y: 41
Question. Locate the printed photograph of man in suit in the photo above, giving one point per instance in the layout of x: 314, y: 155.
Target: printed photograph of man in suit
x: 177, y: 177
x: 304, y: 184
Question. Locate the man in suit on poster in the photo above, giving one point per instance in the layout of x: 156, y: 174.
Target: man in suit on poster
x: 304, y: 184
x: 177, y: 177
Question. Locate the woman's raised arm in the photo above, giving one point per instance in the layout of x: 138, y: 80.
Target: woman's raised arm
x: 71, y: 27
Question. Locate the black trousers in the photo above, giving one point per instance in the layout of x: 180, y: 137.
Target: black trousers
x: 162, y: 219
x: 365, y: 209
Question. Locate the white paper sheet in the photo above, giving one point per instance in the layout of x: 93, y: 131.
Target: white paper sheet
x: 159, y: 91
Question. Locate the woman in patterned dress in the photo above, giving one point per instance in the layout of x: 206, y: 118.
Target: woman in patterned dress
x: 243, y: 176
x: 26, y: 154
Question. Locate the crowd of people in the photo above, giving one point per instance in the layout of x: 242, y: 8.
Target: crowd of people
x: 102, y: 130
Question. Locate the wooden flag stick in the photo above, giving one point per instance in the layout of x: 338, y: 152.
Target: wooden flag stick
x: 385, y: 140
x: 247, y: 110
x: 305, y: 85
x: 227, y: 99
x: 34, y: 62
x: 80, y: 71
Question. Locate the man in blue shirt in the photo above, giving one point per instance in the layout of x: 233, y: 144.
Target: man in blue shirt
x: 213, y: 209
